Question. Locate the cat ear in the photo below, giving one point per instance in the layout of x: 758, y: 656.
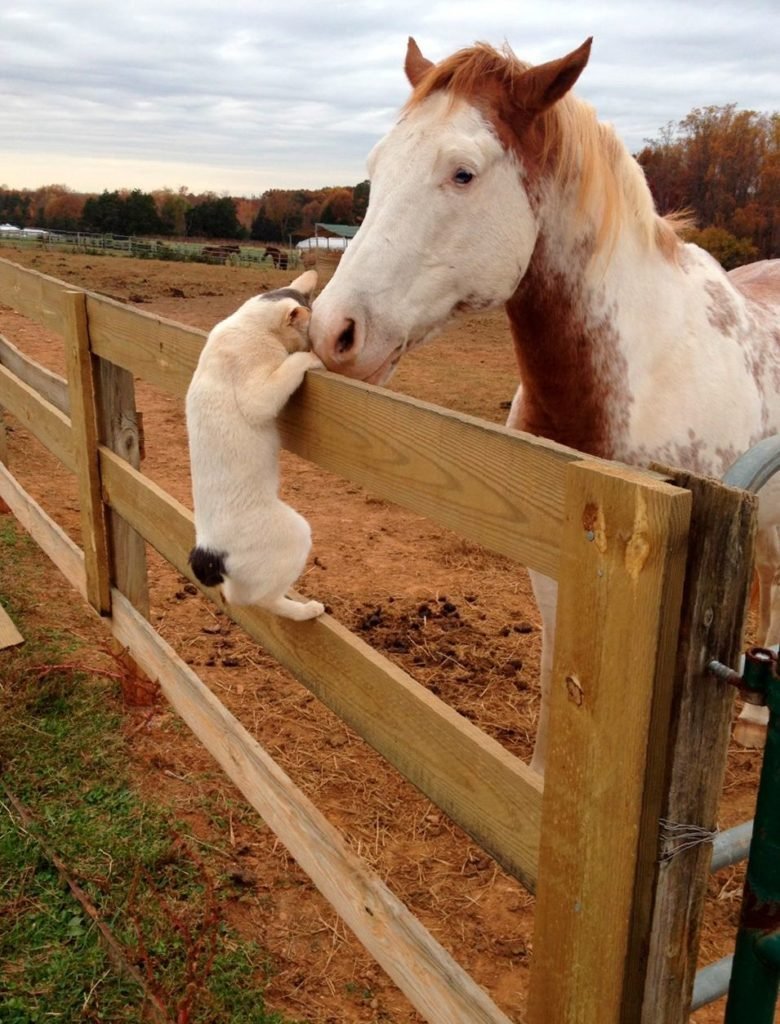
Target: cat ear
x: 306, y: 283
x: 299, y: 317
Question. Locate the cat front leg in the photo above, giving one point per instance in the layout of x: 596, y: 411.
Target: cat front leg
x: 287, y: 378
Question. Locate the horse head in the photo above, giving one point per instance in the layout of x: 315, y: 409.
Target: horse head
x: 452, y: 219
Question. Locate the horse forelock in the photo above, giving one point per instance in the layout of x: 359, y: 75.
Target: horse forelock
x: 566, y: 143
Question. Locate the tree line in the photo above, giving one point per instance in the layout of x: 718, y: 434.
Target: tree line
x: 722, y: 165
x: 278, y: 215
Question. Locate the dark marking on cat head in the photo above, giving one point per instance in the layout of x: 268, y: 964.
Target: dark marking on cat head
x: 287, y: 293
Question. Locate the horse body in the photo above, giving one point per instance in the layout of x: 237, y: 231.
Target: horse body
x: 497, y: 187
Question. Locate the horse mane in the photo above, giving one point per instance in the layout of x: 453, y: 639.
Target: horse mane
x: 575, y: 146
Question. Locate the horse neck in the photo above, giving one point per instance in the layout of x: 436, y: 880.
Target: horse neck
x: 571, y: 359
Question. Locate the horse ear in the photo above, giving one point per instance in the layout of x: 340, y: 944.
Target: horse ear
x: 540, y: 87
x: 415, y: 64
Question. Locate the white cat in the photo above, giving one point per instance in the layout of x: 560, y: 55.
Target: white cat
x: 246, y: 538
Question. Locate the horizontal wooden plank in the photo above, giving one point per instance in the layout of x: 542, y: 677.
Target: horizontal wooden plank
x: 9, y: 634
x: 48, y: 535
x: 49, y: 385
x: 40, y: 417
x: 435, y: 984
x: 490, y: 484
x: 157, y: 350
x: 490, y: 793
x: 33, y: 294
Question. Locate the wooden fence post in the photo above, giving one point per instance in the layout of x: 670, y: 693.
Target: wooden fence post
x: 717, y: 587
x: 119, y: 426
x: 83, y: 415
x: 622, y: 568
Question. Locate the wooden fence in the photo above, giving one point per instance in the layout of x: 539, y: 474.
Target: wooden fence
x: 653, y: 572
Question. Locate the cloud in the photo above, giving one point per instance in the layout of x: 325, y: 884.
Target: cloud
x: 247, y: 96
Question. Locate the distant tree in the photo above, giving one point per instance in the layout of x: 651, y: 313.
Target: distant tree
x: 214, y: 217
x: 722, y: 164
x: 727, y: 249
x: 139, y: 214
x: 104, y: 213
x: 360, y: 195
x: 282, y: 207
x: 15, y: 207
x: 264, y: 229
x: 62, y: 211
x: 172, y: 210
x: 338, y: 207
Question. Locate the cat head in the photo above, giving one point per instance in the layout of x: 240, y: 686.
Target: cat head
x: 290, y: 311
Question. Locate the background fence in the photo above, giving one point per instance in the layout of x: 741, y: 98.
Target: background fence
x: 653, y: 572
x: 149, y: 248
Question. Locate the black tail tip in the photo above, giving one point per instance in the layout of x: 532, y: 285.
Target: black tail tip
x: 208, y: 566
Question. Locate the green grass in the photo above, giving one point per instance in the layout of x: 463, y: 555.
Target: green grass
x: 63, y: 754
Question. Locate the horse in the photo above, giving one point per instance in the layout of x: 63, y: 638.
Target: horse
x: 279, y: 258
x: 498, y: 186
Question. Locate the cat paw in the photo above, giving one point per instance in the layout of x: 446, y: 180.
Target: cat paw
x: 312, y: 610
x: 314, y: 362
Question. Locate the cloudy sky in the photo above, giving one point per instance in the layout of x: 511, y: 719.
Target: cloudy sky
x: 240, y: 96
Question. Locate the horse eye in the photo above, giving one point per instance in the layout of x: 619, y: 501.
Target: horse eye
x: 462, y: 177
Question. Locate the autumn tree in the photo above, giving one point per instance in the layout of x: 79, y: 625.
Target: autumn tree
x: 172, y: 210
x: 360, y: 195
x: 722, y: 164
x: 338, y: 207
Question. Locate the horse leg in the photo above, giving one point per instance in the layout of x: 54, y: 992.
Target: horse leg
x: 546, y: 594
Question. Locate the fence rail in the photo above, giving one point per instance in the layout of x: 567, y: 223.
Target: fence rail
x: 619, y: 543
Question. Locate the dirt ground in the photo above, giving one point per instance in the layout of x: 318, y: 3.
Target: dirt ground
x: 458, y: 618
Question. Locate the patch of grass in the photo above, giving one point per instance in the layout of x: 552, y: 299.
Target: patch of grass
x: 63, y: 754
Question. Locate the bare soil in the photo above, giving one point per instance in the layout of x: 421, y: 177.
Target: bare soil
x: 458, y: 618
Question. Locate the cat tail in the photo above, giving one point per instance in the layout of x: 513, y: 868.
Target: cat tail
x: 208, y: 565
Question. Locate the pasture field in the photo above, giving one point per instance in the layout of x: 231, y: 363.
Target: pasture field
x: 458, y: 618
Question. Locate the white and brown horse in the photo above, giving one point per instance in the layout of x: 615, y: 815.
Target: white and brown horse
x: 498, y: 187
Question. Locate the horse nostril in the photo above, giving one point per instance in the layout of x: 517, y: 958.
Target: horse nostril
x: 346, y: 339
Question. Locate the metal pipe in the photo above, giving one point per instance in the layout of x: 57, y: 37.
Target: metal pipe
x: 752, y: 470
x: 711, y: 983
x: 731, y: 846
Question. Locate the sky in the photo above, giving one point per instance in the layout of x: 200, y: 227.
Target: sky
x: 236, y: 97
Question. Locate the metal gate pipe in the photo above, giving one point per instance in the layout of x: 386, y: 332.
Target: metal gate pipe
x: 711, y: 983
x: 731, y: 846
x: 752, y: 470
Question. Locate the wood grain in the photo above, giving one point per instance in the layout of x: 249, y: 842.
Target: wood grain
x: 81, y: 383
x: 33, y: 294
x: 119, y: 430
x: 717, y: 589
x: 49, y: 385
x: 618, y: 617
x: 40, y: 417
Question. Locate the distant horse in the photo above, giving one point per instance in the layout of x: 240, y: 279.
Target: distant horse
x: 498, y: 187
x: 279, y: 258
